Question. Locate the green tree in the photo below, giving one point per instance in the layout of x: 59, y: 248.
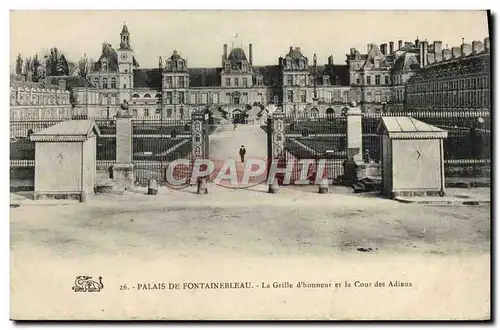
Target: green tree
x: 56, y: 63
x: 85, y: 66
x: 19, y: 64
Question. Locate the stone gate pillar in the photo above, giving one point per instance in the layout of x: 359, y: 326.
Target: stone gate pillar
x: 198, y: 145
x: 123, y: 169
x: 354, y: 133
x: 278, y: 139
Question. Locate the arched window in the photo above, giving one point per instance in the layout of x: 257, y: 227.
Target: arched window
x: 113, y: 82
x: 314, y: 113
x: 135, y: 96
x: 158, y: 96
x: 147, y: 96
x: 96, y: 82
x: 104, y: 82
x: 169, y: 65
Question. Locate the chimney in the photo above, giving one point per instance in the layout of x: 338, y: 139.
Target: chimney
x: 400, y: 44
x: 477, y: 47
x: 353, y: 51
x: 291, y: 49
x: 455, y: 52
x: 430, y: 58
x: 225, y: 52
x: 368, y: 47
x: 383, y: 49
x: 62, y: 84
x: 446, y: 54
x: 466, y: 49
x: 425, y: 46
x: 438, y: 51
x: 421, y: 57
x: 330, y: 60
x: 417, y: 42
x: 487, y: 44
x: 250, y: 53
x: 391, y: 47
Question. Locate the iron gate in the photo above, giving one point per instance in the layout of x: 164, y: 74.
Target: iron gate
x: 318, y: 138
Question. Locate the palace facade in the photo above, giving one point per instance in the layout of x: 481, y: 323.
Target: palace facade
x: 387, y: 77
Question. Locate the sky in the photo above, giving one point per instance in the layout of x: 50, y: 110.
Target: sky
x: 199, y: 36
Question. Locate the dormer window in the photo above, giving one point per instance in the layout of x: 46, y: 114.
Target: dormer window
x: 301, y: 64
x: 180, y: 65
x: 169, y: 65
x: 326, y: 80
x: 288, y: 63
x: 104, y: 65
x: 227, y: 67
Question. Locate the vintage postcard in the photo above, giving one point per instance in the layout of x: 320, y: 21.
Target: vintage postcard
x: 250, y: 165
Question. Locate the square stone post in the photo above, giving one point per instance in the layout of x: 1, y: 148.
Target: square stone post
x: 197, y: 135
x: 278, y: 122
x: 355, y: 134
x: 123, y: 169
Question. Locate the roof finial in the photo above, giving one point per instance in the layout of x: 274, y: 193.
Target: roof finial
x: 463, y: 40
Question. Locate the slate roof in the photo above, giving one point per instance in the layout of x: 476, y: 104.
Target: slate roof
x: 339, y: 74
x: 271, y: 74
x: 409, y: 128
x: 71, y: 81
x: 407, y: 61
x: 70, y: 130
x: 204, y: 77
x: 237, y: 55
x: 110, y: 54
x: 147, y: 78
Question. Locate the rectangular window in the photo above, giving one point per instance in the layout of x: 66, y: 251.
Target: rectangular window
x: 358, y: 81
x: 245, y: 82
x: 377, y: 80
x: 215, y: 98
x: 289, y: 79
x: 290, y: 96
x: 228, y: 81
x: 204, y: 98
x: 169, y: 98
x: 303, y: 96
x: 259, y: 97
x: 236, y: 82
x: 181, y: 97
x: 368, y: 80
x: 181, y: 82
x: 169, y: 113
x: 124, y: 86
x: 386, y: 80
x: 193, y: 98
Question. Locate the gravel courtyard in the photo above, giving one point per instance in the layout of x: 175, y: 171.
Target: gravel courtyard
x: 296, y: 221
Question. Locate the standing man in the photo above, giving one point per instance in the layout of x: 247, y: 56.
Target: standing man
x: 242, y: 153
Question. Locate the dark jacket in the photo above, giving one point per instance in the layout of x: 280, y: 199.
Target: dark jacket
x: 243, y: 151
